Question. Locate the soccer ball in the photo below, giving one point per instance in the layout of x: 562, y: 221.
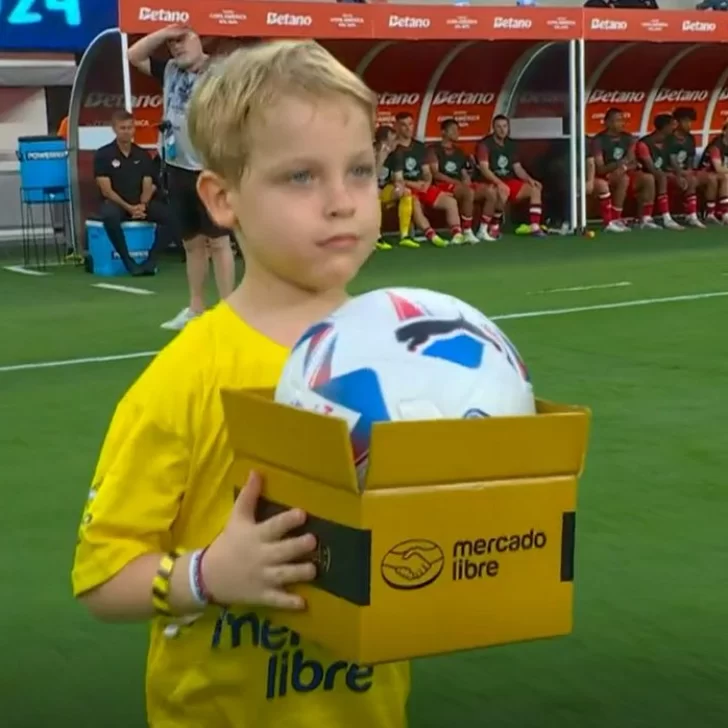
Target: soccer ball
x: 405, y: 354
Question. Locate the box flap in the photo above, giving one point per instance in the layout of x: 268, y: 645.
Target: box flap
x: 551, y: 443
x: 315, y: 446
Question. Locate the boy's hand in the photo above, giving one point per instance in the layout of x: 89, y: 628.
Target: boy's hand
x: 252, y: 563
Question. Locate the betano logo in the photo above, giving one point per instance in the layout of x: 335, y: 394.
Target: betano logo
x: 163, y: 15
x: 463, y: 98
x: 417, y: 563
x: 405, y: 21
x: 388, y: 98
x: 681, y: 95
x: 500, y: 22
x: 605, y: 24
x: 600, y: 96
x: 697, y: 26
x: 412, y: 564
x: 99, y: 99
x: 289, y: 19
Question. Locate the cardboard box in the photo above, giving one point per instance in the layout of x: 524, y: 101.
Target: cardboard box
x: 462, y: 537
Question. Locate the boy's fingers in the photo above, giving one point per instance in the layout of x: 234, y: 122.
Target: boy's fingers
x: 282, y: 600
x: 275, y: 528
x: 248, y: 499
x: 291, y: 549
x: 286, y: 574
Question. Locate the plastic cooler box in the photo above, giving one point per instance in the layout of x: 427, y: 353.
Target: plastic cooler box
x: 105, y: 261
x: 43, y: 169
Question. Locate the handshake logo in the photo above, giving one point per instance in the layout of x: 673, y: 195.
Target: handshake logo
x: 412, y: 564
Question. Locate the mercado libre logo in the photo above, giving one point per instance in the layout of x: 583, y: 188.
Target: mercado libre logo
x: 417, y: 563
x: 412, y: 564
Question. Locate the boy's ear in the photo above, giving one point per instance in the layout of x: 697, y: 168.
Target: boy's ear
x: 215, y: 197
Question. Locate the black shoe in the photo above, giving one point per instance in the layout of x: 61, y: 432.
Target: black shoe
x: 149, y: 268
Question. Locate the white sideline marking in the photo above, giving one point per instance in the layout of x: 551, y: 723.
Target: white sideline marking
x: 502, y: 317
x: 595, y: 287
x: 25, y: 271
x: 73, y: 362
x: 124, y: 289
x: 609, y: 306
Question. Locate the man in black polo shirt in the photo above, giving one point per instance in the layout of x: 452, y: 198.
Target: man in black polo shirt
x: 125, y: 177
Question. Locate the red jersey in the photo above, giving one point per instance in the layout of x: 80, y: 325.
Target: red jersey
x: 715, y: 154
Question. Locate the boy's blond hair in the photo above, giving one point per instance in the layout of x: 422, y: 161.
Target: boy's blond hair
x: 237, y: 89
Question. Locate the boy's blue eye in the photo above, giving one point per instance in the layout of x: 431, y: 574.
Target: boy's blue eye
x: 301, y: 177
x: 364, y: 170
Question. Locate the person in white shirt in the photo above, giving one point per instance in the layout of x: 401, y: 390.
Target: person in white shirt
x: 203, y: 240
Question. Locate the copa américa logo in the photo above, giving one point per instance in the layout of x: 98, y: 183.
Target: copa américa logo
x: 412, y: 564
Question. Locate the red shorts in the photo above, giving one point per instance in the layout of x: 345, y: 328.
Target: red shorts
x: 632, y: 175
x: 449, y: 187
x: 701, y: 176
x: 672, y: 184
x: 514, y: 185
x: 429, y: 196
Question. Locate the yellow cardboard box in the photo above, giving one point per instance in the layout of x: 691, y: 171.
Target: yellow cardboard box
x: 462, y: 537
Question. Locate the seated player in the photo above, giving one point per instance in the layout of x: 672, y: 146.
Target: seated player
x: 682, y: 172
x: 497, y: 164
x: 599, y: 187
x: 614, y: 156
x: 449, y: 167
x: 385, y: 143
x: 714, y: 166
x: 412, y: 168
x: 652, y: 157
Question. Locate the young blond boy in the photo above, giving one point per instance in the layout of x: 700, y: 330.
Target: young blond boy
x: 285, y: 134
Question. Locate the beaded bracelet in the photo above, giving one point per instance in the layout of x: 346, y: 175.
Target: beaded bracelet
x: 161, y: 583
x: 197, y: 585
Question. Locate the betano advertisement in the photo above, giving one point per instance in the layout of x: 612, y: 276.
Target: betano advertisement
x: 455, y: 69
x: 434, y: 80
x: 451, y: 71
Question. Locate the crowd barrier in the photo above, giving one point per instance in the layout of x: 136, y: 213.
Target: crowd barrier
x: 554, y: 71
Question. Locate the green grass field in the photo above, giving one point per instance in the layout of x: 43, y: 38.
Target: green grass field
x: 650, y: 646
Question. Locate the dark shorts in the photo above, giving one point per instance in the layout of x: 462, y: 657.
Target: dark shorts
x: 187, y: 207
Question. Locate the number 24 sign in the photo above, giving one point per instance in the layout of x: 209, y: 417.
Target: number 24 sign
x: 30, y: 12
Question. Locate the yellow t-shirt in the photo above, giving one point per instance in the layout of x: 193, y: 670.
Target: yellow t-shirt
x: 159, y: 485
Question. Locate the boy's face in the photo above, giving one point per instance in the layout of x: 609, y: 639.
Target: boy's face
x: 307, y: 206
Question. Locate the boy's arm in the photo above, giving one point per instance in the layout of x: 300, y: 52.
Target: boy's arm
x: 127, y: 597
x: 129, y: 519
x: 127, y: 522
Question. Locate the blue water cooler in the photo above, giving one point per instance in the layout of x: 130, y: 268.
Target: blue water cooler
x: 103, y: 260
x: 43, y: 169
x: 44, y: 196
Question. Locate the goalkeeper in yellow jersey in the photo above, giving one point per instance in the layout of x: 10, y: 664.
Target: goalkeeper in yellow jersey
x: 284, y: 134
x: 392, y: 192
